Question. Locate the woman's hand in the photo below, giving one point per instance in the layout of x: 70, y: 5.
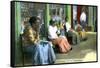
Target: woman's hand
x: 37, y: 39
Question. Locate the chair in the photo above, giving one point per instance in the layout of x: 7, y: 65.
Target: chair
x: 24, y: 53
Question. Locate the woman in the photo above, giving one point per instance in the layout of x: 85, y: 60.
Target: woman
x: 83, y: 18
x: 41, y: 51
x: 62, y: 42
x: 82, y: 34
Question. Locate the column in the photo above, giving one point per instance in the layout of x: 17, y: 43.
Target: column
x: 47, y: 17
x: 68, y: 12
x: 78, y: 13
x: 90, y: 17
x: 17, y: 32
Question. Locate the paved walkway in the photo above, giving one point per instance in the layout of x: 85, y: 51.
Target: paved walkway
x: 83, y: 52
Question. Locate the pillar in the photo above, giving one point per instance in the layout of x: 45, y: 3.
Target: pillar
x: 90, y: 17
x: 47, y: 18
x: 17, y: 32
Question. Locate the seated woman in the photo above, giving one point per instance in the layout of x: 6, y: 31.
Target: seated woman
x: 81, y: 32
x: 41, y: 51
x: 70, y: 32
x: 62, y: 42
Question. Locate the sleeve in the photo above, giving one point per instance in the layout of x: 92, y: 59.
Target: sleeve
x: 56, y: 28
x: 68, y: 26
x: 50, y: 30
x: 29, y: 35
x: 52, y: 33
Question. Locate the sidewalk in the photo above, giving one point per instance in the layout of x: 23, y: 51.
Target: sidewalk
x: 83, y: 52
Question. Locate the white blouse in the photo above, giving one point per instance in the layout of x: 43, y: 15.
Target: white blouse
x: 83, y: 17
x: 68, y: 26
x: 52, y: 32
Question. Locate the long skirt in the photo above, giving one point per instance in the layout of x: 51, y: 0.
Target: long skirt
x: 41, y: 53
x: 62, y: 43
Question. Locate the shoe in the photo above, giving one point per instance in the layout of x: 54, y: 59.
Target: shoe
x: 71, y: 48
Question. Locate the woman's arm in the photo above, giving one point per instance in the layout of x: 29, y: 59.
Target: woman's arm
x: 30, y: 35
